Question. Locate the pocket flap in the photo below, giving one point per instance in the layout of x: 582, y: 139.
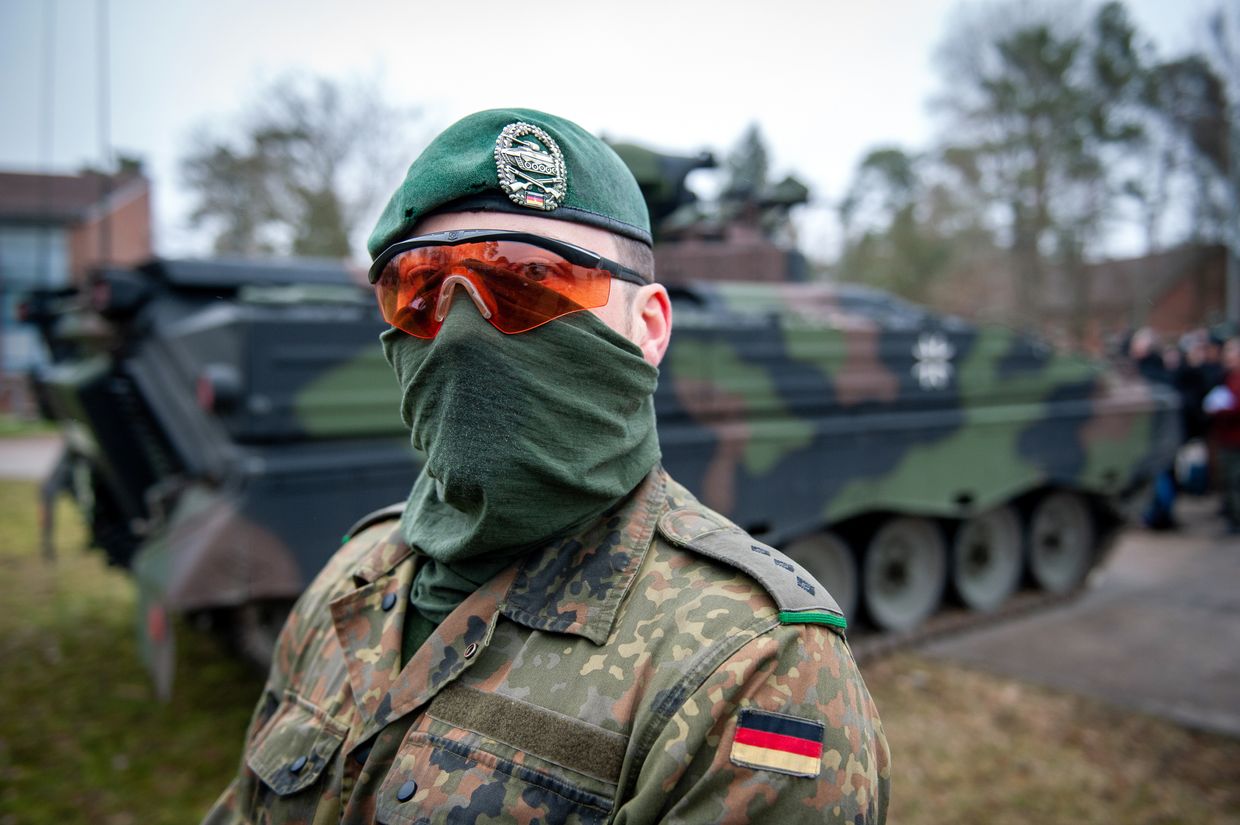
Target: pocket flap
x: 294, y: 748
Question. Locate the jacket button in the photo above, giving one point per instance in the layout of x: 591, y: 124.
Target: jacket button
x: 298, y: 764
x: 406, y: 791
x: 471, y: 649
x: 389, y: 601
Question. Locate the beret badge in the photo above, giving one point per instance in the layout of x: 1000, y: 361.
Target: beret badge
x: 531, y: 167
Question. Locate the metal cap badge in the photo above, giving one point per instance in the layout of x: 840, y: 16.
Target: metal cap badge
x: 531, y: 167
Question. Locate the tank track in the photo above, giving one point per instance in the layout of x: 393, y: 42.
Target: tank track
x: 870, y: 642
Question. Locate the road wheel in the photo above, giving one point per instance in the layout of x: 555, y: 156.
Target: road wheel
x: 905, y: 573
x: 986, y: 559
x: 1061, y: 542
x: 830, y: 560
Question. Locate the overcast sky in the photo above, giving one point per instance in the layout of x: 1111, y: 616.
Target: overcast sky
x: 826, y: 80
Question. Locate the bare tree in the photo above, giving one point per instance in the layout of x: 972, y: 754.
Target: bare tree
x: 1225, y: 54
x: 300, y: 169
x: 904, y: 225
x: 748, y: 164
x: 1044, y: 113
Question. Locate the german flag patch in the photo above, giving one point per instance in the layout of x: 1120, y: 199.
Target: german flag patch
x: 774, y: 742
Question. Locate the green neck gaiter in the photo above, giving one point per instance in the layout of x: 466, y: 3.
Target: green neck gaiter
x: 526, y: 437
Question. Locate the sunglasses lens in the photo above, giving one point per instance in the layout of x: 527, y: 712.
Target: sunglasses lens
x: 524, y: 286
x: 407, y: 290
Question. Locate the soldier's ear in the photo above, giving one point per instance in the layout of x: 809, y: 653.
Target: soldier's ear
x: 651, y: 320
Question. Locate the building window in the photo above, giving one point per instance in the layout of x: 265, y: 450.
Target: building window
x: 30, y: 257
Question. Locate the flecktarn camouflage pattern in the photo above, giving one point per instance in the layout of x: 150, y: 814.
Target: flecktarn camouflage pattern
x: 633, y: 673
x: 895, y: 452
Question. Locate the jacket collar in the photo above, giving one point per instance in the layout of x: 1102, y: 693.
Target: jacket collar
x: 383, y: 557
x: 573, y: 585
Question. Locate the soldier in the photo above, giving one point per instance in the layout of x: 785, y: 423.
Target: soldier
x: 550, y: 629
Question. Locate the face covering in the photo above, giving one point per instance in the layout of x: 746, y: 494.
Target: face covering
x: 526, y: 437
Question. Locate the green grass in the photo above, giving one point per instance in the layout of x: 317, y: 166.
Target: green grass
x: 973, y: 748
x: 12, y: 426
x: 82, y: 739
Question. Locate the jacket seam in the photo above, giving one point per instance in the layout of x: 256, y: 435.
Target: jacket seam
x: 330, y: 722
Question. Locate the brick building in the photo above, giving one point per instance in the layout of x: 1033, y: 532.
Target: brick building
x: 53, y: 230
x: 1172, y: 291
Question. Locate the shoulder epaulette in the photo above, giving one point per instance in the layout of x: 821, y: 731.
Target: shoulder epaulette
x: 370, y: 519
x: 801, y: 599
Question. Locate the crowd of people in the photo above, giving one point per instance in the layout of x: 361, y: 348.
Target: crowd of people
x: 1204, y: 367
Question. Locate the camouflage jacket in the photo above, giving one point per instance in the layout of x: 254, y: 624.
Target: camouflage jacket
x: 661, y: 666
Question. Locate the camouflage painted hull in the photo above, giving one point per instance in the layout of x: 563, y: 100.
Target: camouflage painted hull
x: 790, y: 412
x: 240, y: 415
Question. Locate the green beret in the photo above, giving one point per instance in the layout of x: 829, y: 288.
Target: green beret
x: 517, y: 160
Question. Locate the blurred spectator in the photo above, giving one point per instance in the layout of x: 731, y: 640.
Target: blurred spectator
x: 1143, y: 350
x: 1212, y: 365
x: 1193, y: 382
x: 1146, y: 355
x: 1223, y: 405
x: 1172, y: 359
x: 1192, y: 461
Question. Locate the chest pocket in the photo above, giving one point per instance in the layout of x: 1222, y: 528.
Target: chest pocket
x: 476, y: 755
x: 294, y: 760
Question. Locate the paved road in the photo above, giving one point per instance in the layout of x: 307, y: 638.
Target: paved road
x: 1158, y: 630
x: 28, y: 458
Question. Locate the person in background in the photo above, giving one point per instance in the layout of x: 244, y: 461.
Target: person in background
x: 1223, y: 406
x: 1144, y: 351
x: 1190, y: 380
x: 1212, y: 365
x: 1212, y: 376
x: 1172, y: 358
x: 1193, y: 382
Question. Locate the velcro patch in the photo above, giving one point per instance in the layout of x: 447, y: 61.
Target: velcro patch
x: 775, y: 742
x: 544, y: 733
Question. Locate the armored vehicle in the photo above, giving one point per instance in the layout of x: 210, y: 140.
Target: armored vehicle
x: 212, y: 439
x: 891, y: 451
x: 900, y: 455
x: 225, y: 420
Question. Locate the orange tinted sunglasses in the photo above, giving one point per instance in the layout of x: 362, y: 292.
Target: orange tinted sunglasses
x: 518, y: 280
